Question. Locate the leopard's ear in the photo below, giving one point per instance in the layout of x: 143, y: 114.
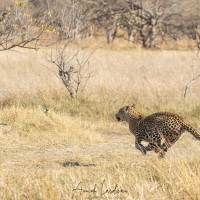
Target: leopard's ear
x: 126, y: 108
x: 133, y: 105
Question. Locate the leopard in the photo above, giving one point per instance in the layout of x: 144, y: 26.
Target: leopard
x: 160, y: 130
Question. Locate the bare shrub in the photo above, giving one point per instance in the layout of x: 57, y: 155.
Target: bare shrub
x: 73, y: 66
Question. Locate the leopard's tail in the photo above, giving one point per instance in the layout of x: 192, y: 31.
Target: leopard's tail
x: 191, y: 130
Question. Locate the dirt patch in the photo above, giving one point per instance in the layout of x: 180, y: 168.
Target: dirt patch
x: 17, y: 155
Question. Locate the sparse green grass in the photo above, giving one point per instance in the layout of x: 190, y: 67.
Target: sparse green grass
x: 46, y: 129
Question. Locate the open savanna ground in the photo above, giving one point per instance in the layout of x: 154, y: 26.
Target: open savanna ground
x: 57, y: 148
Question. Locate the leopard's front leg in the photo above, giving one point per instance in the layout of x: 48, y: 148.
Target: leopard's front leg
x: 139, y: 146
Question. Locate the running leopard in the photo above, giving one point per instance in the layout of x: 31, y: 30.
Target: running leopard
x: 161, y: 130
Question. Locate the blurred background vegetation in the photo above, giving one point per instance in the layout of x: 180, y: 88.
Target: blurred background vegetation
x: 147, y: 23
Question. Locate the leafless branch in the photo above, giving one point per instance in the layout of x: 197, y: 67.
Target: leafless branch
x: 71, y: 67
x: 69, y: 60
x: 18, y: 28
x: 189, y: 83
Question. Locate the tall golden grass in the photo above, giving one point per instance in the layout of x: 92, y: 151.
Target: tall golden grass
x: 57, y: 148
x: 143, y: 74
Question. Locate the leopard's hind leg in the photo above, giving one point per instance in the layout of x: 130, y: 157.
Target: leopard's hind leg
x: 172, y: 138
x: 156, y: 146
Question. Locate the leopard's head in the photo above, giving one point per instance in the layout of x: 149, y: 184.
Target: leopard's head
x: 127, y: 112
x: 122, y: 114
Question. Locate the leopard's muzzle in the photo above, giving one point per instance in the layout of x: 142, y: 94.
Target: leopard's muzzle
x: 118, y: 118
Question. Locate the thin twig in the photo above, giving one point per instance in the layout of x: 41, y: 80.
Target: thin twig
x: 189, y: 83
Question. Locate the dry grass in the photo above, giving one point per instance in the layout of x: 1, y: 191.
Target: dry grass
x: 141, y: 178
x: 39, y: 148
